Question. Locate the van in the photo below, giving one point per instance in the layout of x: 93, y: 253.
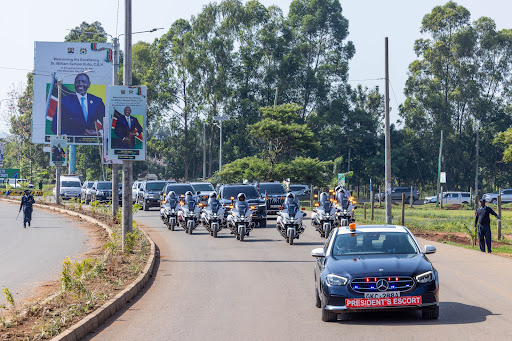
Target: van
x: 70, y: 187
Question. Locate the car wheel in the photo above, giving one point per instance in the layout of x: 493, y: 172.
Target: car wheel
x: 494, y: 201
x: 263, y: 223
x: 327, y: 316
x: 430, y: 313
x: 465, y: 203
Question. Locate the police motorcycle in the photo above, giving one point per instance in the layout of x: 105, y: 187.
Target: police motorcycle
x: 324, y: 215
x: 212, y: 216
x: 345, y: 205
x: 289, y: 219
x: 239, y: 219
x: 189, y: 213
x: 169, y: 210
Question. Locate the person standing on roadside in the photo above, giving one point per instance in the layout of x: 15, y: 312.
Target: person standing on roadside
x: 484, y: 225
x: 26, y: 204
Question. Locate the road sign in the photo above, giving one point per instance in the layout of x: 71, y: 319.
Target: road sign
x: 59, y: 146
x: 220, y: 118
x: 9, y: 173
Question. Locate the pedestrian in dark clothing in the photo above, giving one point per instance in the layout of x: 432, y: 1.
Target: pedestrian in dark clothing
x: 26, y: 204
x: 40, y: 184
x: 484, y: 225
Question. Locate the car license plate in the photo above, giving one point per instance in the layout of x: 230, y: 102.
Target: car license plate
x: 274, y: 206
x: 382, y: 302
x: 386, y: 294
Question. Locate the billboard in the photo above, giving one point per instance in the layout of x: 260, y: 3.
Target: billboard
x: 127, y: 117
x: 58, y: 147
x: 106, y: 159
x: 85, y: 70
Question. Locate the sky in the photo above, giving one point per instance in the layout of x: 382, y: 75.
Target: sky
x: 370, y: 21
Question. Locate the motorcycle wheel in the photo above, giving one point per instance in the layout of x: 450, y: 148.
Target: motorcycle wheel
x: 171, y: 226
x: 144, y: 206
x: 242, y: 235
x: 214, y: 232
x: 328, y: 232
x: 263, y: 223
x: 291, y: 237
x: 190, y: 228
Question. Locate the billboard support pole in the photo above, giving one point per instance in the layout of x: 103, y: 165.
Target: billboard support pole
x: 72, y: 159
x: 115, y: 167
x: 59, y: 123
x: 127, y: 165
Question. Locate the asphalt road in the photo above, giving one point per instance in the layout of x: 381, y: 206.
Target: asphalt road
x: 34, y: 255
x: 262, y: 289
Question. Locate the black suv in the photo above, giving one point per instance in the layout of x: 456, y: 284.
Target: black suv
x: 179, y: 188
x: 101, y: 191
x: 228, y: 193
x: 274, y: 194
x: 396, y: 194
x: 149, y: 193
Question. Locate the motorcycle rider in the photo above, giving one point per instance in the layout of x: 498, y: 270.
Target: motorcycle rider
x: 213, y: 202
x: 171, y: 199
x: 240, y: 205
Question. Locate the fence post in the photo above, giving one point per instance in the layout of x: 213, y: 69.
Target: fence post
x: 411, y: 198
x: 441, y: 197
x: 403, y: 209
x: 499, y: 214
x: 311, y: 196
x: 372, y: 200
x: 380, y: 199
x: 364, y: 211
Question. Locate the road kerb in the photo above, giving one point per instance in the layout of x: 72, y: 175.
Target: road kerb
x: 112, y: 306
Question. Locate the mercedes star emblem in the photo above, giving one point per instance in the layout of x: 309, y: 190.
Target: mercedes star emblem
x: 382, y: 285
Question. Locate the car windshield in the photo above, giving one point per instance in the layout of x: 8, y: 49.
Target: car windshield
x: 179, y: 189
x: 202, y: 187
x: 250, y: 192
x: 155, y: 186
x: 272, y: 189
x: 296, y: 188
x: 104, y: 185
x: 89, y: 184
x: 368, y: 243
x: 70, y: 184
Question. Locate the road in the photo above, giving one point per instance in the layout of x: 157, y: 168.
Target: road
x: 34, y: 255
x: 262, y: 289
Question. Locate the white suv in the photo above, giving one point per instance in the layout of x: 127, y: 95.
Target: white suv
x: 451, y: 198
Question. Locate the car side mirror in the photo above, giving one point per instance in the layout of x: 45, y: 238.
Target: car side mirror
x: 430, y: 249
x: 198, y: 192
x: 318, y: 253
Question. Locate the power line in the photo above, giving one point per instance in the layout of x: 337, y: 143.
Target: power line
x: 365, y: 80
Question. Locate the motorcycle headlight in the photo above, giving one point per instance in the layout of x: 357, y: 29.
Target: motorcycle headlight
x: 336, y: 280
x: 425, y: 277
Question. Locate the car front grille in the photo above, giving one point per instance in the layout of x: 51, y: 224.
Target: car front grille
x: 369, y: 284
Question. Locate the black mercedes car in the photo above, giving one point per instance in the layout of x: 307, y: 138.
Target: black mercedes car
x: 372, y: 267
x: 229, y: 193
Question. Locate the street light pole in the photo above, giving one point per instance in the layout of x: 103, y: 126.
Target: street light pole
x: 387, y: 141
x: 59, y: 123
x: 127, y: 164
x: 115, y: 167
x: 220, y: 148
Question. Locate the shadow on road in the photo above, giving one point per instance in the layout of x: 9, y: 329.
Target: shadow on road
x: 450, y: 313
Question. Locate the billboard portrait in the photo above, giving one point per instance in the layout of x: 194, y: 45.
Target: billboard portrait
x: 85, y: 70
x: 58, y: 148
x: 127, y: 113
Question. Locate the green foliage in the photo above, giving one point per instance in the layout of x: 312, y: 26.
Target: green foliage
x: 8, y: 297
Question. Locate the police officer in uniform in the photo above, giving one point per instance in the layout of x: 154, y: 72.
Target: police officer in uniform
x: 484, y: 225
x: 26, y: 204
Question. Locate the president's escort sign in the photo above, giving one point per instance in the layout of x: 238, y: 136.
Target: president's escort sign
x: 127, y: 116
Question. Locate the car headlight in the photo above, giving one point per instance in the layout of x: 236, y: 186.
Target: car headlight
x: 99, y: 193
x: 425, y: 277
x: 336, y: 280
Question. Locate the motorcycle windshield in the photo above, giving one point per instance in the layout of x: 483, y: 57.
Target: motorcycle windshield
x: 327, y: 206
x: 344, y: 203
x: 214, y: 207
x: 172, y: 203
x: 292, y: 209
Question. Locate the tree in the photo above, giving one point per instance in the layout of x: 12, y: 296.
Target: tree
x: 281, y: 134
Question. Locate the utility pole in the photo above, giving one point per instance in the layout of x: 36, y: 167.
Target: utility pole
x: 388, y: 140
x: 59, y: 127
x: 127, y: 164
x: 476, y: 158
x: 220, y: 148
x: 439, y: 171
x: 204, y: 150
x: 115, y: 167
